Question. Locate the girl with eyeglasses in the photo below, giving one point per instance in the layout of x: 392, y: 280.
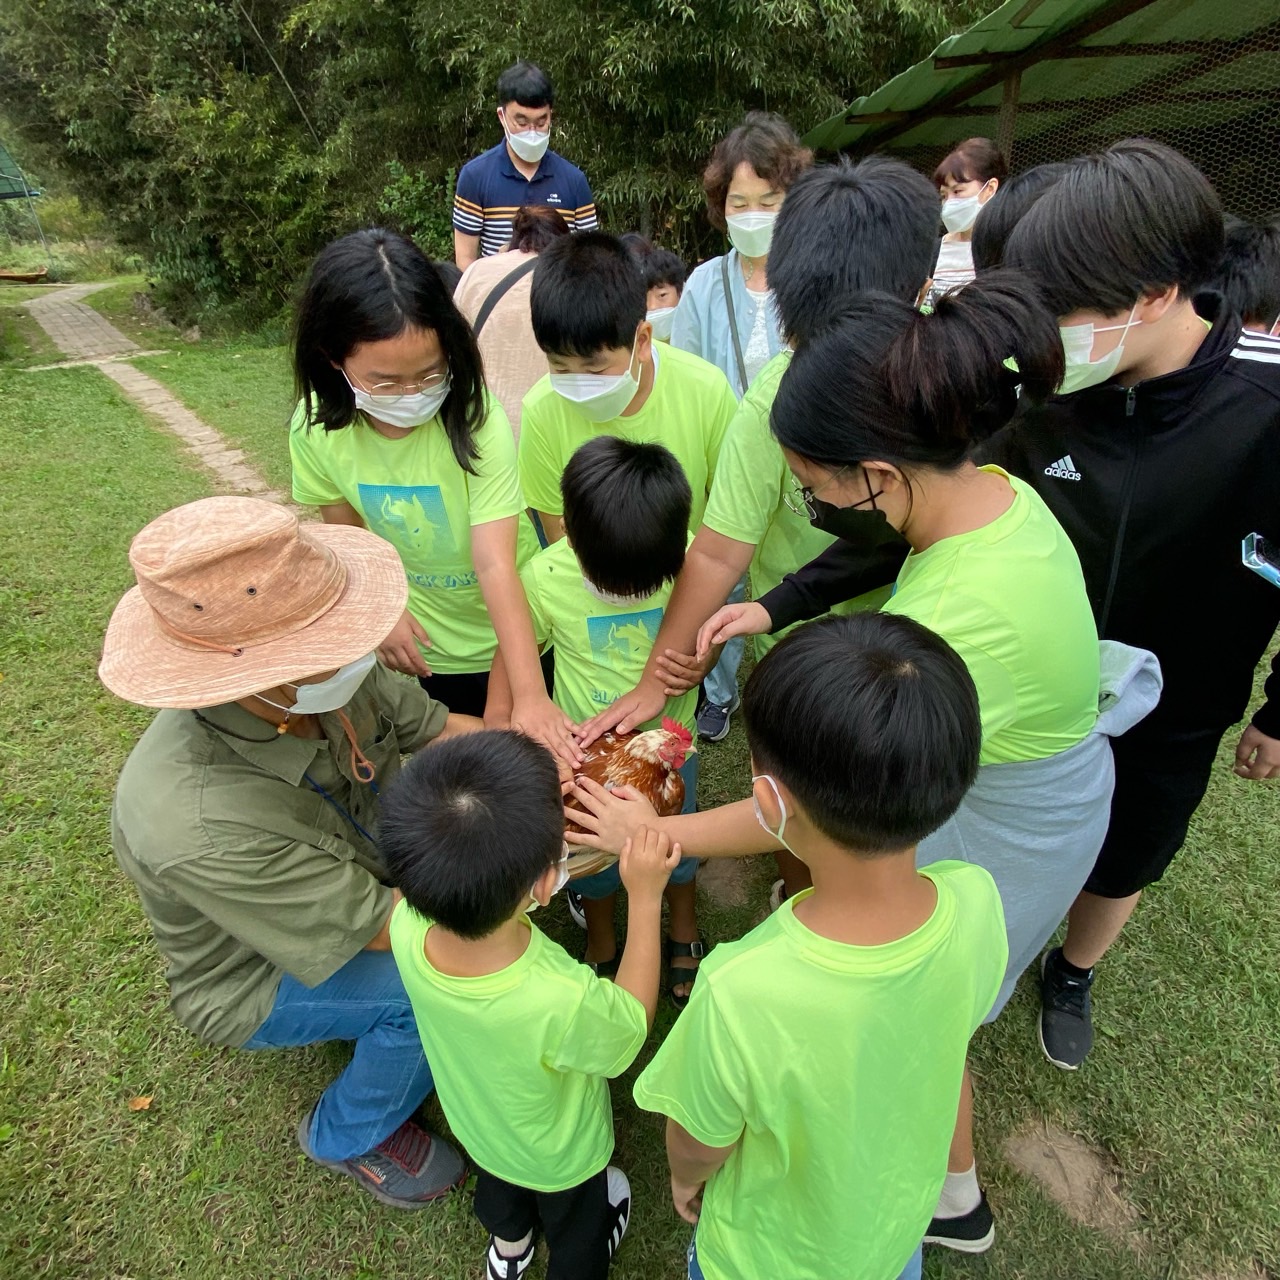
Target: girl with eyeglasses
x: 395, y: 431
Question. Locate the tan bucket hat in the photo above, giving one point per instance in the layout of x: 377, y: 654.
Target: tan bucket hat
x: 235, y: 596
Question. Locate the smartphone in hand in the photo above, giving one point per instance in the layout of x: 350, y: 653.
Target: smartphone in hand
x: 1262, y: 557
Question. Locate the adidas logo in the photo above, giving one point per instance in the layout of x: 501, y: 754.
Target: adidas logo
x: 1064, y: 469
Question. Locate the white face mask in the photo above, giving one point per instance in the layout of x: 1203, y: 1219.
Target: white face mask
x: 1077, y: 345
x: 330, y: 694
x: 599, y: 397
x: 407, y: 411
x: 608, y: 597
x: 562, y: 879
x: 661, y: 319
x: 959, y: 213
x: 752, y: 233
x: 778, y: 835
x: 529, y: 144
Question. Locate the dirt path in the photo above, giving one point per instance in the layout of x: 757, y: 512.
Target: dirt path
x: 84, y: 336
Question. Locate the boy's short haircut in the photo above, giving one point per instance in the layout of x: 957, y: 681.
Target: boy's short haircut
x: 526, y: 84
x: 1135, y: 219
x: 998, y: 217
x: 469, y: 826
x: 662, y: 266
x: 626, y: 512
x: 851, y: 228
x: 588, y: 296
x: 871, y: 722
x: 1248, y: 278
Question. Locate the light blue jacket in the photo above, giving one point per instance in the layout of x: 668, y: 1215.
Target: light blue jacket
x: 701, y: 322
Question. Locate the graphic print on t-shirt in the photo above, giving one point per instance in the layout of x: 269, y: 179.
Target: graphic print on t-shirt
x: 619, y: 639
x: 411, y: 516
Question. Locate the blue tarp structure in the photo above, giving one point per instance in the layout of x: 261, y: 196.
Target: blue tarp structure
x: 1051, y: 79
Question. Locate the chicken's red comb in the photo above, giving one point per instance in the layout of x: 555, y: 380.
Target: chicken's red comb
x: 678, y: 731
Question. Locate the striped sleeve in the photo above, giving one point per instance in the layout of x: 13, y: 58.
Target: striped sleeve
x: 583, y: 216
x: 468, y: 203
x: 1259, y: 347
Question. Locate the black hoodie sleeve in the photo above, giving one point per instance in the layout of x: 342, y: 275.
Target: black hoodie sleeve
x: 843, y: 571
x: 1267, y: 718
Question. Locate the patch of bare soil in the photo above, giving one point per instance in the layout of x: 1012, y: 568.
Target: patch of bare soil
x: 1083, y: 1179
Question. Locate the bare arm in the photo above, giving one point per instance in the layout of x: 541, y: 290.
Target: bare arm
x: 466, y: 249
x: 381, y: 941
x: 456, y: 725
x: 493, y: 551
x: 646, y: 864
x: 692, y: 1164
x: 497, y: 710
x: 552, y: 526
x: 341, y: 513
x: 611, y: 818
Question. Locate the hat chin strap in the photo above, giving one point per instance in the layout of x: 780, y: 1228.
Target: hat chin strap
x: 234, y: 650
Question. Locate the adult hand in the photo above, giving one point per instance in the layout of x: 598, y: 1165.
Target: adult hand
x: 644, y: 702
x: 750, y: 618
x: 400, y: 652
x: 684, y: 671
x: 646, y: 863
x: 540, y: 718
x: 1257, y: 756
x: 687, y: 1198
x: 609, y: 818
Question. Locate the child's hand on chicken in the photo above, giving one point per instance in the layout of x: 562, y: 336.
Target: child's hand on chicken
x: 607, y: 818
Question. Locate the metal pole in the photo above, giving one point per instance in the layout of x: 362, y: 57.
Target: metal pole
x: 1008, y: 118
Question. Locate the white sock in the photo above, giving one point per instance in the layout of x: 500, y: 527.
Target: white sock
x: 960, y: 1194
x: 513, y: 1248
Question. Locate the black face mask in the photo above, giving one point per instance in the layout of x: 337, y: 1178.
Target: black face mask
x: 858, y: 525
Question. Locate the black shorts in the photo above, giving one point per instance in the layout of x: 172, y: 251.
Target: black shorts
x: 466, y: 694
x: 1161, y: 777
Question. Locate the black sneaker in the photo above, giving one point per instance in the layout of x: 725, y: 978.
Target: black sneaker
x: 1066, y: 1016
x: 972, y: 1232
x: 713, y: 720
x: 619, y: 1193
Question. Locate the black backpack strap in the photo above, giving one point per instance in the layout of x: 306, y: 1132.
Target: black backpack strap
x: 500, y: 291
x: 733, y: 324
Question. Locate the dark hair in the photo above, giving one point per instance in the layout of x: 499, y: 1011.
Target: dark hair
x: 526, y: 84
x: 366, y: 287
x: 626, y: 512
x: 974, y: 160
x: 588, y: 295
x: 469, y: 826
x: 886, y: 382
x: 871, y: 721
x: 998, y: 217
x: 764, y: 141
x: 664, y: 267
x: 535, y: 226
x: 1131, y: 220
x: 638, y: 246
x: 1248, y: 277
x: 849, y: 228
x: 449, y: 272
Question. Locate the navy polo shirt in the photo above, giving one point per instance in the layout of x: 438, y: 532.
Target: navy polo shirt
x: 491, y: 189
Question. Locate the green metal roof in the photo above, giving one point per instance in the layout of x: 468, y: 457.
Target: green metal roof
x: 1052, y: 78
x: 13, y: 185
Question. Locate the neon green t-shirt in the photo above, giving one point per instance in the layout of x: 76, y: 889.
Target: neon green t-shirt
x: 1010, y: 599
x: 688, y: 409
x: 747, y: 500
x: 413, y: 493
x: 600, y: 648
x: 834, y: 1072
x: 520, y: 1057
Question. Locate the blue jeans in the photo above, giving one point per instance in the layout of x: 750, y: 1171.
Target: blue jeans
x: 910, y: 1272
x: 721, y: 682
x: 387, y: 1077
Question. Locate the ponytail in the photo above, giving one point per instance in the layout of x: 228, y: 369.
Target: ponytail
x: 948, y: 372
x: 883, y: 381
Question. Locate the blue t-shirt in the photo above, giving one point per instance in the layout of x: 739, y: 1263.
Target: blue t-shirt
x: 491, y: 189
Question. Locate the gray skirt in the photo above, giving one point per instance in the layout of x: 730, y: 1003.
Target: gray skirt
x: 1037, y: 825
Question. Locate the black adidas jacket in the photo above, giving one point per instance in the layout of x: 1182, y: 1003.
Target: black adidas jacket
x: 1156, y: 485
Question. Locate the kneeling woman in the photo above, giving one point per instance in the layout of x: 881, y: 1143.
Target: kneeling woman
x: 877, y: 415
x: 395, y: 431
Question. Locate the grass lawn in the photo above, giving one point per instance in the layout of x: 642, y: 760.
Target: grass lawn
x: 22, y: 340
x: 116, y: 303
x: 244, y: 392
x: 1183, y: 1088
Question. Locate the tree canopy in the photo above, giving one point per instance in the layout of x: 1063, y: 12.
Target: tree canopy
x: 227, y: 140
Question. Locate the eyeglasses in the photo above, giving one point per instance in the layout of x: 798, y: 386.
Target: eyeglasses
x: 800, y: 500
x: 390, y: 392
